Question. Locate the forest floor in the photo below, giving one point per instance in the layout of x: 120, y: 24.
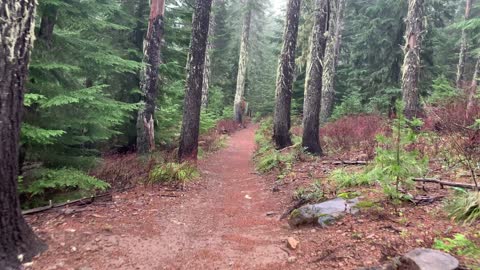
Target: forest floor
x: 230, y: 219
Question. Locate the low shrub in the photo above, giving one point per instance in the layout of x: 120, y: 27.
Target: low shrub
x: 312, y: 194
x: 450, y: 116
x: 464, y: 206
x: 352, y: 132
x: 267, y: 157
x: 460, y: 245
x: 344, y: 179
x: 41, y: 185
x: 173, y: 173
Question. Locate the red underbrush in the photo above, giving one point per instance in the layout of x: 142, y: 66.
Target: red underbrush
x: 354, y: 132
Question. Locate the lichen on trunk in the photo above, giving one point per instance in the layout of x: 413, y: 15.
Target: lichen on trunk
x: 412, y: 62
x: 16, y: 41
x: 313, y: 91
x: 463, y: 49
x: 193, y: 93
x: 332, y: 52
x: 285, y: 77
x: 242, y: 66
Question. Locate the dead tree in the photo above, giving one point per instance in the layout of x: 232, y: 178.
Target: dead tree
x: 149, y: 77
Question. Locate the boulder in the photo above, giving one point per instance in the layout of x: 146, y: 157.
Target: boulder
x: 323, y: 213
x: 428, y: 259
x: 420, y: 259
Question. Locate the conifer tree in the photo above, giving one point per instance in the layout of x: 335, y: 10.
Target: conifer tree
x: 193, y: 93
x: 285, y: 77
x: 149, y: 81
x: 242, y: 63
x: 311, y: 110
x: 331, y: 58
x: 16, y: 39
x: 463, y: 48
x: 412, y: 64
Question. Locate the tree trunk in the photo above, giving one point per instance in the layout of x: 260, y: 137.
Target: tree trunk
x: 472, y: 92
x: 411, y: 65
x: 149, y: 77
x: 193, y: 94
x: 207, y: 72
x: 242, y: 66
x: 463, y: 49
x: 311, y: 110
x: 16, y: 38
x: 331, y: 60
x: 286, y: 68
x: 47, y: 24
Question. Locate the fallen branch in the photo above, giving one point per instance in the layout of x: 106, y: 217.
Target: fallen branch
x: 82, y: 201
x: 445, y: 183
x: 346, y: 162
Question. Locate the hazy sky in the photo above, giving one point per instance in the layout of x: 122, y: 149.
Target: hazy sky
x: 278, y: 5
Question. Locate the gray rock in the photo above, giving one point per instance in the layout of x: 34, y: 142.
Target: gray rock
x: 323, y: 213
x: 428, y: 259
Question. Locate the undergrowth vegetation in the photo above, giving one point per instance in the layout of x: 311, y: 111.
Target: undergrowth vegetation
x: 267, y: 158
x: 464, y: 206
x: 460, y: 245
x: 173, y: 173
x: 40, y: 185
x: 395, y: 164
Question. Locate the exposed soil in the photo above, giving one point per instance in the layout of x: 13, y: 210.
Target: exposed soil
x: 220, y: 222
x: 229, y: 219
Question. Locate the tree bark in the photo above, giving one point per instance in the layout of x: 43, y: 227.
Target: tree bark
x: 331, y: 60
x: 16, y: 39
x: 463, y: 49
x: 242, y: 66
x: 311, y: 110
x: 472, y: 92
x: 47, y: 24
x: 286, y: 68
x: 149, y: 77
x: 193, y: 94
x: 207, y: 72
x: 411, y: 65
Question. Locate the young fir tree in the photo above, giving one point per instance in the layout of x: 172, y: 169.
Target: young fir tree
x: 412, y: 64
x: 285, y: 77
x: 311, y: 110
x: 242, y: 63
x: 193, y: 93
x: 149, y: 82
x: 16, y: 39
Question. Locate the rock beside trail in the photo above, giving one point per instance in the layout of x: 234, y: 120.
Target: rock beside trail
x: 323, y: 213
x: 428, y: 259
x: 421, y: 259
x: 292, y: 243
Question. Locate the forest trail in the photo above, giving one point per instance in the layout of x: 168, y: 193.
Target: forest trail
x: 220, y: 224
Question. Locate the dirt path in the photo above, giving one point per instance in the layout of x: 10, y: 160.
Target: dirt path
x: 220, y: 224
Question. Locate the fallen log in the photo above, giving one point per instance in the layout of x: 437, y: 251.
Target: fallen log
x: 445, y: 183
